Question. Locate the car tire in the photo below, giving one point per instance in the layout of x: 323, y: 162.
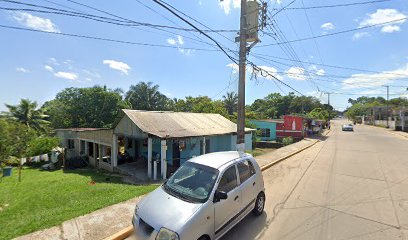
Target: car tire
x: 259, y: 204
x: 205, y: 237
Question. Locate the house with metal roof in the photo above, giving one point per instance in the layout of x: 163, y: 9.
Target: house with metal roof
x: 152, y: 143
x: 266, y: 128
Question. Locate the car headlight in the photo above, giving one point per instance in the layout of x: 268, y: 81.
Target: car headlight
x: 165, y: 234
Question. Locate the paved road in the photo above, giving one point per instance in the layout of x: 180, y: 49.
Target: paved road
x: 353, y: 185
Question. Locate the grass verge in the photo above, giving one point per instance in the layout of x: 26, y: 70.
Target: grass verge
x: 44, y: 199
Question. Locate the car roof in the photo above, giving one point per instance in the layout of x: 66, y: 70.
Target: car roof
x: 219, y: 159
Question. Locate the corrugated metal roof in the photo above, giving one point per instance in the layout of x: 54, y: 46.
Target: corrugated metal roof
x: 269, y: 120
x: 181, y: 124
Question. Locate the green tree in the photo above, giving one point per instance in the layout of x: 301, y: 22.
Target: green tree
x: 27, y: 113
x: 319, y: 113
x: 14, y: 139
x: 146, y: 96
x: 41, y: 145
x: 85, y: 107
x: 230, y: 101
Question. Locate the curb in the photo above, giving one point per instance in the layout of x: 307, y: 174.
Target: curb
x: 126, y: 232
x: 265, y: 167
x: 122, y: 234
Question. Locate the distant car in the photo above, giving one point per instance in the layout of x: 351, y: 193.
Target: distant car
x: 203, y: 199
x: 347, y: 127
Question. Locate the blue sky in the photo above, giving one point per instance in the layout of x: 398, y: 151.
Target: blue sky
x: 38, y: 65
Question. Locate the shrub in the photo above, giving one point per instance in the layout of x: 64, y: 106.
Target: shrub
x: 41, y: 145
x: 287, y: 141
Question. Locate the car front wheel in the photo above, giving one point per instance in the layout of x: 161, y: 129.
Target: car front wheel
x: 259, y: 204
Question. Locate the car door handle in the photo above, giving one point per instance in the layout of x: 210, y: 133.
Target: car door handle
x: 235, y: 199
x: 253, y: 184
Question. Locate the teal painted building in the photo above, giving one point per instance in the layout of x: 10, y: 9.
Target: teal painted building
x: 266, y: 128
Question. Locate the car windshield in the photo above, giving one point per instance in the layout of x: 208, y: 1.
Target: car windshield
x: 192, y: 182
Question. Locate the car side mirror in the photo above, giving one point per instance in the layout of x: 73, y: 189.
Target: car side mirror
x: 220, y: 195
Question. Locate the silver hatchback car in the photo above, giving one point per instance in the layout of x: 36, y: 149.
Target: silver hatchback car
x: 203, y: 199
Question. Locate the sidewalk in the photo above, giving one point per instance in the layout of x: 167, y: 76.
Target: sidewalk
x: 96, y: 225
x: 104, y: 222
x: 398, y: 133
x: 279, y: 153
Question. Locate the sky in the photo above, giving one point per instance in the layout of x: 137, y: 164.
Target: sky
x: 311, y: 57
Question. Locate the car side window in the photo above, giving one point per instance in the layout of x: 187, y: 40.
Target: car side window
x: 246, y: 170
x: 228, y: 180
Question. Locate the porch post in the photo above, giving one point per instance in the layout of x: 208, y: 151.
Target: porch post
x: 100, y: 156
x: 114, y: 153
x: 204, y: 145
x: 163, y: 159
x: 149, y: 157
x: 95, y: 153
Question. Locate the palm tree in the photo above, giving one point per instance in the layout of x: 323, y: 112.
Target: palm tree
x: 230, y: 101
x: 27, y: 113
x: 146, y: 96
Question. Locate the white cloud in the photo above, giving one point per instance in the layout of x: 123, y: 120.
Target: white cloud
x: 21, y: 69
x: 268, y: 72
x: 34, y: 22
x: 176, y: 41
x: 66, y: 75
x: 227, y: 4
x: 171, y: 41
x: 186, y: 52
x: 357, y: 81
x: 264, y: 72
x: 390, y: 28
x: 120, y: 66
x: 314, y: 70
x: 49, y: 68
x: 296, y: 73
x: 91, y: 74
x: 320, y: 72
x: 327, y: 26
x: 53, y: 61
x: 384, y: 15
x: 359, y: 35
x: 180, y: 40
x: 234, y: 67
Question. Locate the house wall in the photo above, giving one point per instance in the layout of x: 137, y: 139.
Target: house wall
x: 128, y: 128
x: 270, y: 125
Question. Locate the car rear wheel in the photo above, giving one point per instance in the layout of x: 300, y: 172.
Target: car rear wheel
x: 259, y: 204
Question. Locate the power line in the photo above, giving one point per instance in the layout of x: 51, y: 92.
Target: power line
x: 336, y: 5
x: 280, y: 10
x: 330, y: 66
x: 107, y: 39
x: 193, y: 26
x: 123, y: 21
x: 335, y: 33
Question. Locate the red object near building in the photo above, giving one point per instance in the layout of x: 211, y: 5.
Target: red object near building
x: 292, y: 126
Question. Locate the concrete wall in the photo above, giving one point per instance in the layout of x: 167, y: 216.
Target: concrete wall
x: 128, y: 128
x: 384, y: 123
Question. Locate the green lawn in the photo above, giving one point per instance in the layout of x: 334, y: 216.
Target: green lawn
x: 44, y: 199
x: 259, y: 151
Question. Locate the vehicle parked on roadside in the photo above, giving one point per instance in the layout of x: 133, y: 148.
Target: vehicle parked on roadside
x: 347, y: 127
x: 203, y: 199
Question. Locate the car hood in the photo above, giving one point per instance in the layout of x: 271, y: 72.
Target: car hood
x: 160, y: 209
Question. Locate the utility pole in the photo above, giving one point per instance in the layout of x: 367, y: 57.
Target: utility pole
x: 241, y: 83
x: 248, y: 32
x: 388, y: 99
x: 328, y: 103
